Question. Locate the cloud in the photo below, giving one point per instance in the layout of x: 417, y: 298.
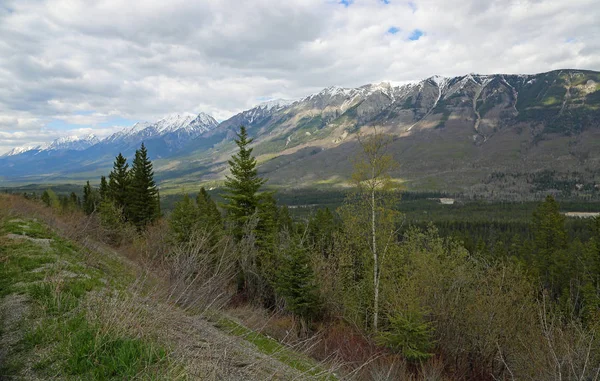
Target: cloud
x: 86, y: 64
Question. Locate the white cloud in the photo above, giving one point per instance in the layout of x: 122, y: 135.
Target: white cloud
x: 59, y: 58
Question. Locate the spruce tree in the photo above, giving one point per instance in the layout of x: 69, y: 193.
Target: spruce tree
x: 296, y: 283
x: 207, y: 209
x: 46, y: 198
x: 118, y: 184
x: 242, y: 186
x: 90, y: 199
x: 550, y: 243
x: 143, y: 195
x: 104, y: 191
x: 183, y: 220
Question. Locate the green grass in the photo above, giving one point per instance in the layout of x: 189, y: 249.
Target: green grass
x: 58, y: 339
x: 275, y: 349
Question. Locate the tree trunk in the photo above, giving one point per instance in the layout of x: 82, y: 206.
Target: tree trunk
x: 375, y: 265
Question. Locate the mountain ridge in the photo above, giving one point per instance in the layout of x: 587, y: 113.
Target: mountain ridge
x: 512, y: 116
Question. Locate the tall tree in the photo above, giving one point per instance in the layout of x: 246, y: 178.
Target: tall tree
x: 118, y: 183
x: 143, y: 194
x: 103, y: 191
x: 550, y: 244
x: 242, y: 186
x: 373, y: 182
x: 90, y: 199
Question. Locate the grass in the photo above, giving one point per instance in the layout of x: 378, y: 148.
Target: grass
x: 275, y: 349
x: 58, y: 338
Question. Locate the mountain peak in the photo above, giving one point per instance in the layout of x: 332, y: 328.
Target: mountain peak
x: 275, y: 103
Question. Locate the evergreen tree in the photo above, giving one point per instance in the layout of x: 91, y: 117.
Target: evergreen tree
x: 207, y: 209
x: 46, y: 198
x: 296, y: 283
x: 267, y: 226
x: 550, y: 244
x: 183, y: 220
x: 90, y: 199
x: 321, y: 230
x: 104, y: 190
x: 74, y: 200
x: 118, y: 183
x: 242, y: 186
x: 143, y: 195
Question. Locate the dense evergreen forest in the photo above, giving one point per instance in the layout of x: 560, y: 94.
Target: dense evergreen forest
x: 473, y: 291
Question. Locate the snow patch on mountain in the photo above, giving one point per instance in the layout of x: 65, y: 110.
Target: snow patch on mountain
x: 19, y: 150
x: 275, y: 104
x: 72, y: 142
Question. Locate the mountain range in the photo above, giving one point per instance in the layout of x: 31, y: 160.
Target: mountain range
x: 480, y: 135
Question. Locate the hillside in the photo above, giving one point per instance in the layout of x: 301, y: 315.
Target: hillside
x: 77, y: 309
x: 482, y: 135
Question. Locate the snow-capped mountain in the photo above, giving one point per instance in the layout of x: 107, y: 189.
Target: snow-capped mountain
x: 470, y: 124
x: 189, y: 125
x: 73, y: 142
x: 19, y: 150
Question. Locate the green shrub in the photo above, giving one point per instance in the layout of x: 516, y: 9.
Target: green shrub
x: 410, y: 335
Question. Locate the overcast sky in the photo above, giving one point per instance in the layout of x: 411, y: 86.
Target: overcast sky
x: 75, y: 67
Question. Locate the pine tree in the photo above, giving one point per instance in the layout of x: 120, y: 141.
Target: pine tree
x: 143, y: 195
x: 46, y: 198
x: 118, y: 184
x: 74, y: 200
x: 90, y: 199
x: 550, y: 244
x: 104, y: 191
x: 183, y: 220
x: 208, y: 213
x: 296, y: 283
x: 242, y: 186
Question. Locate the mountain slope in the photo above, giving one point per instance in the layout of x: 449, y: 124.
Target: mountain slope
x: 459, y: 134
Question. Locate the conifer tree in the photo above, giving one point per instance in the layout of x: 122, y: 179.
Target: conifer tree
x: 118, y: 183
x: 183, y: 220
x: 143, y: 195
x: 46, y: 198
x: 207, y: 209
x: 296, y: 283
x: 90, y: 199
x: 104, y: 191
x: 550, y: 244
x: 242, y: 186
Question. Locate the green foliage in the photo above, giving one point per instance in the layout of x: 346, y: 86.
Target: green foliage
x: 410, y: 335
x: 51, y: 199
x: 143, y: 198
x: 104, y: 190
x: 242, y: 185
x: 296, y: 283
x: 322, y: 227
x: 207, y: 209
x: 184, y: 220
x: 91, y: 199
x: 112, y: 220
x: 550, y: 244
x: 119, y: 182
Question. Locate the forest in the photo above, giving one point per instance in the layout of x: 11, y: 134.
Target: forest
x: 369, y: 280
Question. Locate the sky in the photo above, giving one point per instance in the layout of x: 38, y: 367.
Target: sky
x: 74, y: 67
